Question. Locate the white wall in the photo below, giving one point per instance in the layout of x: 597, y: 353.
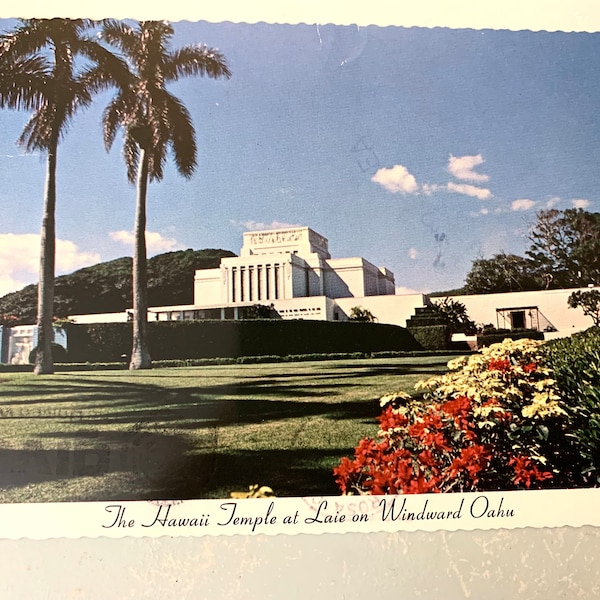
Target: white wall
x: 208, y: 287
x: 395, y: 310
x: 551, y: 303
x: 344, y: 278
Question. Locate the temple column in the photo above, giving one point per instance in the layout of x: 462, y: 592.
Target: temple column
x: 276, y: 281
x: 246, y: 283
x: 268, y: 285
x: 260, y: 288
x: 233, y: 284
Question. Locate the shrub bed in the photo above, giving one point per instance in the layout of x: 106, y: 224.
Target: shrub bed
x: 496, y: 336
x: 575, y: 362
x: 496, y: 420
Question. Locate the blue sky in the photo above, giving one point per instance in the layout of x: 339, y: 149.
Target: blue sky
x: 418, y: 149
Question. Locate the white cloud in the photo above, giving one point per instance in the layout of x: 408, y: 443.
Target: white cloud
x: 413, y: 254
x: 430, y: 188
x: 155, y: 242
x: 479, y: 213
x: 462, y: 167
x: 470, y: 190
x: 20, y: 256
x: 523, y: 204
x: 257, y: 226
x: 580, y: 203
x: 10, y: 284
x: 553, y: 202
x: 397, y: 180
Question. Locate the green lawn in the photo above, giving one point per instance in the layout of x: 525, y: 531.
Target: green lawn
x: 198, y: 432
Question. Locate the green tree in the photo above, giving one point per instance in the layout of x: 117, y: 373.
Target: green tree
x: 358, y: 313
x: 38, y: 73
x: 153, y: 122
x: 565, y: 247
x: 589, y: 301
x: 106, y: 287
x: 455, y: 315
x: 502, y: 273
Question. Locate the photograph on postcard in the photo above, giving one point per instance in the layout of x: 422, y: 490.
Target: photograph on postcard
x: 288, y: 261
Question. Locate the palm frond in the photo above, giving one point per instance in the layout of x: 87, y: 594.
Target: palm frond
x: 182, y: 136
x: 112, y: 120
x: 108, y: 69
x: 23, y: 82
x: 131, y: 156
x: 37, y: 133
x: 121, y: 36
x: 196, y: 60
x: 26, y: 39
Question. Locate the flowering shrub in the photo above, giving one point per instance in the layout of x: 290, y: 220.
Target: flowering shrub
x: 575, y: 363
x: 495, y: 420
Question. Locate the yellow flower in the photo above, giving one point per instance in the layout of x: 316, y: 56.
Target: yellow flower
x: 394, y: 398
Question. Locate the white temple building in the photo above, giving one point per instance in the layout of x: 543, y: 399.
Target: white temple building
x: 288, y: 269
x: 292, y: 271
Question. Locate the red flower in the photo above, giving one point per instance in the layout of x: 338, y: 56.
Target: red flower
x: 427, y: 458
x: 459, y: 407
x: 391, y: 419
x: 472, y: 461
x: 499, y: 364
x: 526, y: 471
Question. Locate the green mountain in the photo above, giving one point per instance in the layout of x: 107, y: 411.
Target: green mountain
x: 106, y: 287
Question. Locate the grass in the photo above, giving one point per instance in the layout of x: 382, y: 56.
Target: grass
x: 198, y: 432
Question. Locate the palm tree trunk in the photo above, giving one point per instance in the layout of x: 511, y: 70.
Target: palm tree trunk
x: 140, y: 355
x: 43, y: 359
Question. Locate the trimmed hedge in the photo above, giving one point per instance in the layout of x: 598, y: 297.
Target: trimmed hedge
x: 180, y: 340
x: 432, y: 337
x: 59, y: 354
x: 497, y: 336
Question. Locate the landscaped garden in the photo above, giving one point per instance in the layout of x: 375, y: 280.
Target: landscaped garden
x: 191, y: 432
x: 517, y: 415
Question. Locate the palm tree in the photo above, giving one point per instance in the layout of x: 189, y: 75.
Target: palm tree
x: 37, y: 72
x: 153, y: 122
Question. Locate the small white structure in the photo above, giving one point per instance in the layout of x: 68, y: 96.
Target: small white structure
x: 544, y: 310
x: 16, y: 343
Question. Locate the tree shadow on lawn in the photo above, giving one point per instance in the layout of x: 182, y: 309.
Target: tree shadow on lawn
x: 197, y: 413
x: 192, y: 407
x: 158, y: 464
x: 81, y: 388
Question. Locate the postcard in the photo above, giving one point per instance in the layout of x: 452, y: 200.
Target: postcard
x: 371, y: 276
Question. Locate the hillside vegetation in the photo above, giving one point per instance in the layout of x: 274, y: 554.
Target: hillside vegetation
x: 106, y: 287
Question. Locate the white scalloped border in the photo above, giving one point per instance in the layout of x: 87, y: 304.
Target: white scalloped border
x: 292, y: 516
x: 551, y: 15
